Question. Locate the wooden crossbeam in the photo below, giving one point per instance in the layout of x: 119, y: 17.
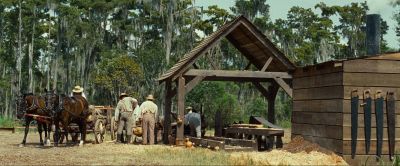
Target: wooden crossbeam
x: 261, y: 88
x: 267, y: 63
x: 236, y: 74
x: 284, y: 86
x: 190, y: 85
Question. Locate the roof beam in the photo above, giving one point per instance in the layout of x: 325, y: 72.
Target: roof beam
x: 190, y: 85
x: 261, y: 88
x: 236, y: 74
x: 267, y: 63
x: 284, y: 86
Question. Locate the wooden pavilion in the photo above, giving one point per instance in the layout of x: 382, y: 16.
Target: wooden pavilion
x: 272, y: 65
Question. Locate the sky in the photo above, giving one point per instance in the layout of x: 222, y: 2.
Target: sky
x: 279, y: 9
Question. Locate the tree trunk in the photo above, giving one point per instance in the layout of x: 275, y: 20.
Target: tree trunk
x: 19, y: 58
x: 31, y: 48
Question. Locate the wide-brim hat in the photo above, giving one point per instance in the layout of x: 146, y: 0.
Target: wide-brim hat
x: 77, y: 89
x: 123, y: 95
x: 150, y: 97
x: 189, y: 108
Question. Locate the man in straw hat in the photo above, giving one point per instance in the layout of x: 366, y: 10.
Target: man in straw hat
x: 193, y: 119
x: 123, y: 114
x: 149, y: 113
x: 78, y: 90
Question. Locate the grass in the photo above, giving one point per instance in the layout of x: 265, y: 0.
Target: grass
x: 6, y: 122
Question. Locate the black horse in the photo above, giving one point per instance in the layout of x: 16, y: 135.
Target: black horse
x: 67, y: 110
x: 29, y: 108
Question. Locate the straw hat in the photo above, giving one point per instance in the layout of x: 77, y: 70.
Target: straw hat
x: 189, y: 108
x: 77, y: 89
x: 123, y: 95
x: 150, y: 97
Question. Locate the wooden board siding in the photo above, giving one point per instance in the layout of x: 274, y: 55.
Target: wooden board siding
x: 319, y: 118
x: 347, y: 107
x: 391, y: 80
x: 369, y: 160
x: 324, y: 68
x: 347, y: 120
x: 324, y: 131
x: 360, y: 133
x: 330, y: 105
x: 360, y: 150
x: 323, y: 80
x: 371, y: 66
x: 330, y: 92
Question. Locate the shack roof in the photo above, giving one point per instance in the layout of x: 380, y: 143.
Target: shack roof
x: 244, y: 35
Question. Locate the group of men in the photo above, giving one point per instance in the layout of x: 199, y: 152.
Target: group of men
x: 128, y: 113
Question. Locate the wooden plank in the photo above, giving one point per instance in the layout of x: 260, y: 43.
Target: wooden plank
x: 360, y: 149
x: 330, y: 79
x: 347, y: 120
x: 332, y: 105
x: 255, y: 131
x: 319, y: 69
x: 248, y: 125
x: 267, y: 64
x: 190, y: 85
x: 284, y: 86
x: 236, y: 74
x: 360, y: 133
x: 371, y: 66
x: 181, y: 110
x: 317, y: 118
x: 325, y: 131
x: 331, y: 144
x: 207, y: 143
x: 367, y: 160
x: 348, y: 89
x: 261, y: 88
x: 235, y: 142
x: 347, y: 109
x: 371, y: 79
x: 331, y: 92
x: 12, y: 129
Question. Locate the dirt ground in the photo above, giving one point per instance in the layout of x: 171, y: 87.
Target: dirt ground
x: 111, y: 154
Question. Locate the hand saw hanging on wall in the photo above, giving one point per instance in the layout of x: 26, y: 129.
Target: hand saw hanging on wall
x: 367, y: 119
x: 391, y: 122
x: 379, y: 122
x: 354, y: 121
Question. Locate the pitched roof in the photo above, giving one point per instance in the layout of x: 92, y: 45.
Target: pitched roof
x: 252, y: 43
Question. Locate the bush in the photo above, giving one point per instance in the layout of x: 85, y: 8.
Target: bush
x: 6, y: 122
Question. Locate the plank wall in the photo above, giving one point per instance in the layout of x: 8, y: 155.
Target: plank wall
x: 318, y: 105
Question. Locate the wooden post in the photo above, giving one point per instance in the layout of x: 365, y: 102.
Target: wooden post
x: 167, y: 109
x: 272, y: 90
x: 181, y: 111
x: 218, y: 124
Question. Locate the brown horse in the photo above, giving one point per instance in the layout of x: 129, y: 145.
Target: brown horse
x: 31, y: 107
x: 71, y: 110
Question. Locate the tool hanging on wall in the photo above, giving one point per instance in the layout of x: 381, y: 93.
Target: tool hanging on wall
x: 367, y: 119
x: 379, y: 122
x: 354, y: 121
x: 391, y: 122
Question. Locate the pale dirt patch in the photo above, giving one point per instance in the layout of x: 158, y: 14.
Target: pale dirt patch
x: 111, y: 154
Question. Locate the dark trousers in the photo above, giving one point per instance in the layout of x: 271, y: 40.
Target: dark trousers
x: 125, y: 120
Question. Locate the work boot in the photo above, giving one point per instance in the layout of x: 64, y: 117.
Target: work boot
x: 118, y: 141
x: 128, y: 139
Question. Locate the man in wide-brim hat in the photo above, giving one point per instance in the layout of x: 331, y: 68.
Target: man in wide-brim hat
x: 122, y: 95
x: 193, y: 119
x: 149, y: 112
x: 124, y: 116
x: 78, y: 90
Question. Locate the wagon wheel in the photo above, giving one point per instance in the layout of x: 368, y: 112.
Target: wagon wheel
x: 99, y: 130
x: 113, y: 128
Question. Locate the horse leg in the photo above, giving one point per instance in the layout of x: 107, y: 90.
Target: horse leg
x: 56, y: 135
x: 27, y: 122
x: 40, y: 130
x: 47, y: 130
x: 82, y: 129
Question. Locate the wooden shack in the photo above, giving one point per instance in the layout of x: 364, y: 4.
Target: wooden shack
x: 322, y: 103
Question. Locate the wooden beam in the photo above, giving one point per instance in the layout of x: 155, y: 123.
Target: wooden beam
x: 190, y: 85
x: 267, y: 63
x: 236, y: 74
x: 261, y: 88
x: 181, y: 111
x: 284, y: 86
